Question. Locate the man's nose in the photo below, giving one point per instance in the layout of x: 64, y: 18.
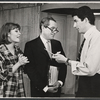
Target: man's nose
x: 74, y: 25
x: 19, y: 33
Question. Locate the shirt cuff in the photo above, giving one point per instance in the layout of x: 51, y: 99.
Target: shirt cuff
x: 45, y: 89
x: 61, y: 83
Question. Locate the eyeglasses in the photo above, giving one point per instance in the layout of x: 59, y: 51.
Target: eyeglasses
x: 53, y: 30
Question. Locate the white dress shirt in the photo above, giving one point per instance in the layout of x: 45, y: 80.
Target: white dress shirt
x: 90, y: 56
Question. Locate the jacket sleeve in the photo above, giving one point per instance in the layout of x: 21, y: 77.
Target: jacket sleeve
x: 61, y: 66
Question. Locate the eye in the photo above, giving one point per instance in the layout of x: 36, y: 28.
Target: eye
x: 16, y: 31
x: 75, y: 21
x: 53, y: 28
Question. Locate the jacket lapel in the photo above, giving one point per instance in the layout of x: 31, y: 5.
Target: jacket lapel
x: 42, y: 47
x: 52, y: 46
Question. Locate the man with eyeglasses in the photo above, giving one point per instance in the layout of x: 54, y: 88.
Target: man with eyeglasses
x: 46, y: 75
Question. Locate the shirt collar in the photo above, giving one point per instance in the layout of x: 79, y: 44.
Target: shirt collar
x: 43, y: 39
x: 89, y: 32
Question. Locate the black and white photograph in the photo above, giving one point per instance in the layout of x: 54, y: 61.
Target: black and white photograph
x: 50, y: 49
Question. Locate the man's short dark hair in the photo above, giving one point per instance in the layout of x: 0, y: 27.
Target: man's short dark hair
x: 85, y: 12
x: 5, y: 29
x: 45, y: 22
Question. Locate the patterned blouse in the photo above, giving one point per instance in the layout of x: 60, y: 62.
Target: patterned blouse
x: 11, y: 84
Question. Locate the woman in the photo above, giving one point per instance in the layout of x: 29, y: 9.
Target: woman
x: 11, y: 62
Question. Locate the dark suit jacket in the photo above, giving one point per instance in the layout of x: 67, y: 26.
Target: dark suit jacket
x: 38, y: 67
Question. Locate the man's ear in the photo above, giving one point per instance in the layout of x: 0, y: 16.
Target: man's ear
x: 42, y: 27
x: 86, y: 20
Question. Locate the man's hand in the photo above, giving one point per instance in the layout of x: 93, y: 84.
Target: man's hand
x: 59, y: 58
x: 52, y: 89
x: 57, y: 84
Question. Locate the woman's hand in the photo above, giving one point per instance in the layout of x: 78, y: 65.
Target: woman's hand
x: 22, y: 59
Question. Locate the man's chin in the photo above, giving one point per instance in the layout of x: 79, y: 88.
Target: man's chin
x: 81, y: 32
x: 52, y: 37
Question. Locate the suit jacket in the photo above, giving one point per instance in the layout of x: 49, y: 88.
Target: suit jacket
x: 37, y: 69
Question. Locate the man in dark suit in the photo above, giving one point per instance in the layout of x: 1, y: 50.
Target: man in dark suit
x: 41, y: 62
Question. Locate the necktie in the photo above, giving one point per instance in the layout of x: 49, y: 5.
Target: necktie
x: 48, y: 47
x: 79, y: 53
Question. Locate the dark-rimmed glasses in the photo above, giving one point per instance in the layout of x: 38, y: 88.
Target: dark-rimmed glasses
x: 53, y: 30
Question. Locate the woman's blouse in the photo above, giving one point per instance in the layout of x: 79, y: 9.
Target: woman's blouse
x: 11, y: 84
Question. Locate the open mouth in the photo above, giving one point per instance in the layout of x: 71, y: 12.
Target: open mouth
x: 18, y: 36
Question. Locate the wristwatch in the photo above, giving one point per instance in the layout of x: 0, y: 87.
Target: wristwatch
x: 67, y: 61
